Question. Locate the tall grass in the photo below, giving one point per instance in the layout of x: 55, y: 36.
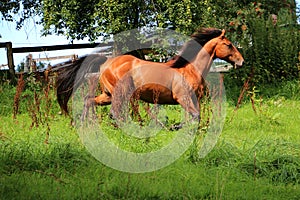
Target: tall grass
x: 256, y: 157
x: 286, y: 89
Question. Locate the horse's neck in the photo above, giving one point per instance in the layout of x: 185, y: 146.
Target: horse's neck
x: 203, y: 61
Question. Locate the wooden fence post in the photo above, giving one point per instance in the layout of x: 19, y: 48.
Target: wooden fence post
x: 27, y: 63
x: 10, y: 61
x: 33, y: 67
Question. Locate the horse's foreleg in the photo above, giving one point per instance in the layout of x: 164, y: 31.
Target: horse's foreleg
x: 190, y: 105
x: 154, y: 117
x: 103, y: 99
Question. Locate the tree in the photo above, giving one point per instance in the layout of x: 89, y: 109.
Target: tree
x: 80, y: 19
x: 19, y: 10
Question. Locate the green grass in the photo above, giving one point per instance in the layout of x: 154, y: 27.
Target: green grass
x: 257, y: 157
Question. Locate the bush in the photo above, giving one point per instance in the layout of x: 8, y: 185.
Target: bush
x: 270, y: 50
x: 274, y: 50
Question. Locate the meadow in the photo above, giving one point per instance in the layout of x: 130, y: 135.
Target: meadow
x: 257, y: 156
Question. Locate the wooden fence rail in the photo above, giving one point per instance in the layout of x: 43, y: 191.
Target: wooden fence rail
x: 10, y: 50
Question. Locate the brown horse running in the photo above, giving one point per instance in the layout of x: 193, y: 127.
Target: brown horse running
x: 179, y: 81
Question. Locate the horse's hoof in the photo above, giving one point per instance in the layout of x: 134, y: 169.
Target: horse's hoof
x: 176, y: 127
x: 115, y: 125
x: 111, y: 116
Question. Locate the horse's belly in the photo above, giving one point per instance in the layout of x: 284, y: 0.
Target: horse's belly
x: 155, y: 94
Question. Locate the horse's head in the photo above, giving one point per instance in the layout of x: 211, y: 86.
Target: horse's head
x: 225, y: 50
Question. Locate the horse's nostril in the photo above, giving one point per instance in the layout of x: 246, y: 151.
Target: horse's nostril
x: 239, y: 63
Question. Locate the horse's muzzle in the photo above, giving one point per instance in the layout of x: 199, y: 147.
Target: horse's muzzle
x: 239, y: 64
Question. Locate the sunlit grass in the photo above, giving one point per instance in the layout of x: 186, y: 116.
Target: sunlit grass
x: 257, y: 157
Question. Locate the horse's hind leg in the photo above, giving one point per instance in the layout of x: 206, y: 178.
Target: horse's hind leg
x: 91, y: 102
x: 92, y: 80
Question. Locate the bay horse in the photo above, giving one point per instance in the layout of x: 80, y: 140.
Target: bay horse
x: 179, y: 81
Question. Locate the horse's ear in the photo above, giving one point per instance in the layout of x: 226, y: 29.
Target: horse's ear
x: 222, y: 34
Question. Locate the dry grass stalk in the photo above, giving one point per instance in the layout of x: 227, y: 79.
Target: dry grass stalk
x: 19, y: 90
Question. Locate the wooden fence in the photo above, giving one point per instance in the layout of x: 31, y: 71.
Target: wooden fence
x: 10, y: 51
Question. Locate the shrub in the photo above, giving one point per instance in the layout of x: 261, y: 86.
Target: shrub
x: 270, y: 50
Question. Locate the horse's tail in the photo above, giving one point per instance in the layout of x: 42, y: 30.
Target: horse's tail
x: 72, y: 75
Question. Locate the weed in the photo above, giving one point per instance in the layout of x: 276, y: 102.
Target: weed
x: 19, y: 90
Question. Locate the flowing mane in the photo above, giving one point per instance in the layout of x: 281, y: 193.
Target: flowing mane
x: 193, y: 46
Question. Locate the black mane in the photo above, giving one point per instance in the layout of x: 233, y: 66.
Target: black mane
x: 193, y: 46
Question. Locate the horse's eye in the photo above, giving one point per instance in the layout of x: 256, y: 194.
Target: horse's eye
x: 229, y: 45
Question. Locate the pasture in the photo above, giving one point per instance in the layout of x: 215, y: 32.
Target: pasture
x: 256, y: 157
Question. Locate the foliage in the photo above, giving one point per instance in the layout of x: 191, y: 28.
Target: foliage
x: 80, y: 19
x: 271, y: 50
x: 222, y: 14
x: 274, y: 50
